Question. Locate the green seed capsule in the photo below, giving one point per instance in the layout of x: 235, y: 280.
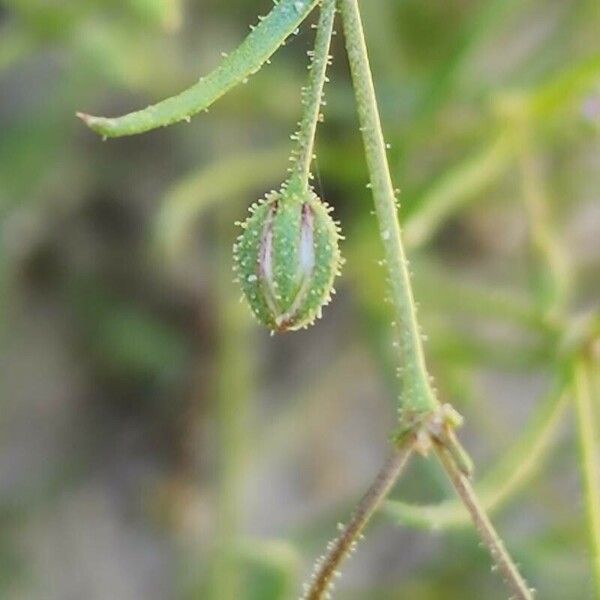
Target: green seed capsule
x: 287, y: 258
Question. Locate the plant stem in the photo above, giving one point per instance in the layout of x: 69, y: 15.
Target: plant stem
x: 326, y: 567
x: 590, y: 466
x: 486, y: 530
x: 312, y: 95
x: 233, y: 388
x: 417, y: 396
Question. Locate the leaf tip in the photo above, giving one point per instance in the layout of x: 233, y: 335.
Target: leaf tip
x: 94, y: 123
x: 84, y: 117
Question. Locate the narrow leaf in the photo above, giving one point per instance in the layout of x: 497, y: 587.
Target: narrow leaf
x: 244, y: 61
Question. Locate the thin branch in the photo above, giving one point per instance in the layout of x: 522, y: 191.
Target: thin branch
x: 459, y: 185
x: 551, y: 276
x: 589, y: 447
x: 337, y: 550
x: 417, y: 396
x: 312, y: 95
x: 486, y: 530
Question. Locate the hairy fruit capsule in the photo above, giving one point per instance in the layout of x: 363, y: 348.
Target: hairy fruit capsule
x: 287, y: 258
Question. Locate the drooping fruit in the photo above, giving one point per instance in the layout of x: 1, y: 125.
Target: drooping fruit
x: 287, y: 258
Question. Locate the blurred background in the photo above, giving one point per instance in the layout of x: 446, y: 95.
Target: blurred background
x: 155, y: 442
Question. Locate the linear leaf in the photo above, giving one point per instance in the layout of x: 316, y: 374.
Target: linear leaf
x: 244, y: 61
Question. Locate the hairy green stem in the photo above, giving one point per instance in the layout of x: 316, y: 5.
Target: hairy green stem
x: 589, y: 445
x: 235, y: 68
x: 417, y: 395
x: 312, y: 96
x: 433, y: 424
x: 325, y: 573
x: 486, y: 530
x: 233, y: 388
